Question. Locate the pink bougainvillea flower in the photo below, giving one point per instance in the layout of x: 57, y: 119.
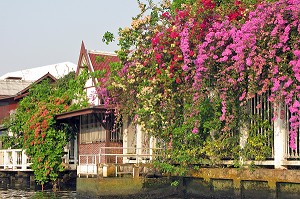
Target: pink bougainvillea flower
x: 195, y: 130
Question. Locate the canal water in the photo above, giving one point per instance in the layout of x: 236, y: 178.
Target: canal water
x: 27, y: 194
x: 9, y: 191
x: 129, y: 188
x: 30, y: 194
x: 86, y: 188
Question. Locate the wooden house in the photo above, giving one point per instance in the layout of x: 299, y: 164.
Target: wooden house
x: 13, y: 87
x: 101, y: 139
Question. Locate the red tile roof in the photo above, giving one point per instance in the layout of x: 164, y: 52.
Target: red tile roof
x: 101, y: 61
x: 96, y: 60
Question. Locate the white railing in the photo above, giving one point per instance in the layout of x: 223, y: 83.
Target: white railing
x: 14, y: 159
x: 128, y: 154
x: 17, y: 160
x: 87, y: 164
x: 291, y: 154
x: 262, y: 110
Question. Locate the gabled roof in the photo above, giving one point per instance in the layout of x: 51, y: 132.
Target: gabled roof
x: 25, y: 91
x: 96, y: 60
x: 33, y: 74
x: 18, y: 88
x: 9, y: 88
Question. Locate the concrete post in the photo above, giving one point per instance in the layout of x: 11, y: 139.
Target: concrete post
x: 104, y: 170
x: 125, y: 140
x: 135, y: 171
x: 279, y: 136
x: 244, y: 131
x: 152, y: 145
x: 139, y: 140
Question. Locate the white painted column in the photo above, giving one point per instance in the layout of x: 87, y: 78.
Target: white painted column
x: 244, y: 134
x: 125, y: 140
x: 152, y: 145
x: 139, y: 139
x: 14, y: 159
x: 76, y: 150
x: 24, y: 160
x: 6, y: 159
x: 279, y: 136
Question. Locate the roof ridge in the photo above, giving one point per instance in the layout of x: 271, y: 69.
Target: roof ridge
x: 16, y: 80
x: 102, y: 52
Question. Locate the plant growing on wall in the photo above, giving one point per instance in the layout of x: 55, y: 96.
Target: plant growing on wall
x: 36, y: 130
x: 186, y: 74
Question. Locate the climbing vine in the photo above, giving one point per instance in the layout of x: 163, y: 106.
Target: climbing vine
x: 35, y: 129
x: 189, y: 69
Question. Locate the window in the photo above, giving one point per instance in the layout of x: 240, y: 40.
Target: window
x: 116, y: 134
x: 91, y: 130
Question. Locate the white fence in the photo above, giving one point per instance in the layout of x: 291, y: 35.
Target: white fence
x: 88, y: 163
x: 14, y: 159
x: 17, y: 160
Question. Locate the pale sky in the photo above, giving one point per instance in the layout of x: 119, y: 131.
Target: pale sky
x: 36, y: 33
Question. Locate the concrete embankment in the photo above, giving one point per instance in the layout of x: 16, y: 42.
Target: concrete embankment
x: 203, y: 183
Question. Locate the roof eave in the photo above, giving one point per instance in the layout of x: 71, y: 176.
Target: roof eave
x: 84, y: 111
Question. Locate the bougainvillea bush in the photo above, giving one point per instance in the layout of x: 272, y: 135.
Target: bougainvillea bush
x: 35, y: 129
x: 188, y: 71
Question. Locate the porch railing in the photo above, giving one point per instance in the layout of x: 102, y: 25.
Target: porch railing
x: 17, y: 160
x: 14, y: 159
x: 87, y: 164
x: 128, y: 154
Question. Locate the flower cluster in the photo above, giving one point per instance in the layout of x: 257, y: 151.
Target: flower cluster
x: 208, y: 58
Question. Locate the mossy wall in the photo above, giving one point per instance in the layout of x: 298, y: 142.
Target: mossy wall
x: 203, y: 183
x: 244, y: 183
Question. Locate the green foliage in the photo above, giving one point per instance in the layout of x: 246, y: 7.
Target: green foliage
x: 259, y: 141
x: 177, y: 4
x: 44, y: 195
x: 175, y: 183
x: 9, y: 142
x: 99, y: 59
x: 35, y: 129
x: 108, y: 37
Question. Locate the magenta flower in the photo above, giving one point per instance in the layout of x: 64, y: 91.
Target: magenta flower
x: 195, y: 130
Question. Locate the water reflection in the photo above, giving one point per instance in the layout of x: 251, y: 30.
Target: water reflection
x: 17, y: 188
x: 27, y: 194
x: 12, y: 194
